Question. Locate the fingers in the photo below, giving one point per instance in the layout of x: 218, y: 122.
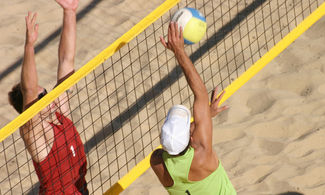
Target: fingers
x: 175, y: 31
x: 27, y: 18
x: 34, y: 18
x: 31, y: 19
x: 26, y: 21
x: 220, y: 97
x: 68, y: 4
x: 223, y: 108
x: 181, y: 33
x: 176, y: 35
x: 36, y: 27
x: 162, y: 40
x: 175, y: 40
x: 31, y: 28
x: 214, y: 94
x: 170, y: 32
x: 215, y: 101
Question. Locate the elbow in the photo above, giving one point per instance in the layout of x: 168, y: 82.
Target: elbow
x: 202, y: 93
x: 27, y: 88
x: 29, y: 91
x: 68, y: 59
x: 66, y: 56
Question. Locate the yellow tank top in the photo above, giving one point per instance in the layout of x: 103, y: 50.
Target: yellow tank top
x: 217, y: 183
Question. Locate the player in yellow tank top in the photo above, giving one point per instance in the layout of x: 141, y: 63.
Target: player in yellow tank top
x: 187, y: 163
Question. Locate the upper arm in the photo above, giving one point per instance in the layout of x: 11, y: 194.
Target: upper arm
x: 158, y: 166
x: 63, y: 104
x: 63, y: 100
x: 33, y: 135
x: 202, y: 133
x: 29, y: 97
x: 156, y: 161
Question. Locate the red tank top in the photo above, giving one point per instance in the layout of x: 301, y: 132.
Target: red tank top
x: 63, y: 170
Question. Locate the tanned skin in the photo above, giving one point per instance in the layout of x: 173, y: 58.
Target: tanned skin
x: 37, y: 133
x: 205, y: 160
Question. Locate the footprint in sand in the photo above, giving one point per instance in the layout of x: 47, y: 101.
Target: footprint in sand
x: 270, y: 147
x: 260, y: 102
x: 306, y: 92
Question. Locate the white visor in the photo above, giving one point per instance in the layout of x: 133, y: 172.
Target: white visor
x: 175, y: 133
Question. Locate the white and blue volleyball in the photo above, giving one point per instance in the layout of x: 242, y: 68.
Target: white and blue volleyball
x: 193, y: 24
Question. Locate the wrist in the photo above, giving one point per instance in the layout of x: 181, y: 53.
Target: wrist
x: 69, y: 11
x: 29, y: 44
x: 179, y: 52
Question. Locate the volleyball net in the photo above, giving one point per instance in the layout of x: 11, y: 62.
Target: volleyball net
x: 119, y: 99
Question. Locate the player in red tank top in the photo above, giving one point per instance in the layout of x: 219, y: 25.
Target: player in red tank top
x: 50, y: 136
x: 67, y: 151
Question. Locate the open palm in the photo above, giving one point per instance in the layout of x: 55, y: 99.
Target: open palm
x: 68, y: 4
x: 31, y: 28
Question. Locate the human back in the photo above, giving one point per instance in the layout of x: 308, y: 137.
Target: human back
x: 180, y: 167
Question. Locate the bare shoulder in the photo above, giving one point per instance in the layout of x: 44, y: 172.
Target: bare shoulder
x: 158, y: 166
x: 34, y: 134
x: 156, y: 158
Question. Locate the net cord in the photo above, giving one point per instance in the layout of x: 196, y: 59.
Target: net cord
x: 144, y: 165
x: 11, y: 127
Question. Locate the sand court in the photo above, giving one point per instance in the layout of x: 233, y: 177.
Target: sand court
x: 268, y: 141
x: 271, y: 140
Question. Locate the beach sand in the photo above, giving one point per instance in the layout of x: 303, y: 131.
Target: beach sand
x: 270, y: 141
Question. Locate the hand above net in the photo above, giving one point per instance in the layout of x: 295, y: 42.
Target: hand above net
x: 175, y: 38
x: 31, y: 28
x: 68, y: 4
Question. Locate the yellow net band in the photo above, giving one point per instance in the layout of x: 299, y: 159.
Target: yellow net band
x: 86, y: 69
x: 144, y: 165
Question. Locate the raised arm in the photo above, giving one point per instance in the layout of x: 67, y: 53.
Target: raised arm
x: 67, y: 44
x: 202, y: 134
x: 67, y: 47
x: 29, y: 80
x: 214, y: 106
x: 32, y: 132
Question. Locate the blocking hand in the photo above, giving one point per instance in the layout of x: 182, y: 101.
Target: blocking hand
x: 68, y: 4
x: 31, y: 28
x: 175, y: 38
x: 215, y: 100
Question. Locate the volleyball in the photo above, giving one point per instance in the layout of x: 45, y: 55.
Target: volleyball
x: 193, y: 24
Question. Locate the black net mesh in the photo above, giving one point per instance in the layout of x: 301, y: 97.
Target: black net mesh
x: 119, y: 108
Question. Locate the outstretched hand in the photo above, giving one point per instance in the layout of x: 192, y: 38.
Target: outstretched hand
x: 68, y: 4
x: 215, y: 100
x: 175, y: 38
x: 31, y: 28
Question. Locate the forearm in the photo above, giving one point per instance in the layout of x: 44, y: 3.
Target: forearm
x: 192, y: 76
x: 29, y: 80
x: 202, y: 134
x: 67, y: 45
